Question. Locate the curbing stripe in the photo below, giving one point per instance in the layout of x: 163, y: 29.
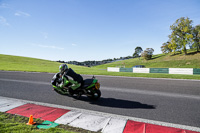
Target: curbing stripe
x: 134, y: 127
x: 6, y: 104
x: 114, y: 126
x: 54, y: 115
x: 140, y: 127
x: 38, y: 111
x: 68, y: 117
x: 90, y: 122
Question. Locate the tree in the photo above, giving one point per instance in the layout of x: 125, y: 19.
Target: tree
x: 196, y: 37
x: 173, y: 43
x: 165, y: 48
x: 147, y: 54
x: 138, y: 51
x: 182, y: 33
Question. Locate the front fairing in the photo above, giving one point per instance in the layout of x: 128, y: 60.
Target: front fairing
x: 54, y: 77
x: 53, y: 80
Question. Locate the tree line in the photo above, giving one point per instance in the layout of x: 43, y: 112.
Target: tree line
x: 95, y: 63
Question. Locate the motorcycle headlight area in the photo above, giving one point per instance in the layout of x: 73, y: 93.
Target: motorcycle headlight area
x: 97, y: 85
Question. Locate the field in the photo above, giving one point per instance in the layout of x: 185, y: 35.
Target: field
x: 16, y: 63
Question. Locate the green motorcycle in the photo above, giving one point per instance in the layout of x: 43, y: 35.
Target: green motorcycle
x: 89, y: 87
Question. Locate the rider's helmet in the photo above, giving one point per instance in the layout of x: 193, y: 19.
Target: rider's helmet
x: 63, y: 68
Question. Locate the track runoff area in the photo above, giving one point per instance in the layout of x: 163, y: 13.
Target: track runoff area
x: 89, y: 120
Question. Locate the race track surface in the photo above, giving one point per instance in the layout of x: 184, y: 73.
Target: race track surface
x: 166, y: 100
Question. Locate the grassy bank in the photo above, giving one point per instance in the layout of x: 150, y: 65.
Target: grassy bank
x: 16, y: 63
x: 192, y: 60
x: 10, y: 123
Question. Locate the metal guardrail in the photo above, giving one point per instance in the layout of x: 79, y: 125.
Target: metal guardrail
x: 188, y: 71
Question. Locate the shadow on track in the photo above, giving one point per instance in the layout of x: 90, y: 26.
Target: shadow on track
x: 118, y: 103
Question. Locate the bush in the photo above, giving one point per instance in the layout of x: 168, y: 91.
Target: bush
x: 147, y: 54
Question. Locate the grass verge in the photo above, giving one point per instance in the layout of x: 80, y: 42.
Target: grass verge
x: 10, y: 123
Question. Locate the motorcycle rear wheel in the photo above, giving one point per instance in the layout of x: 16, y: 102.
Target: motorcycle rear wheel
x: 95, y: 95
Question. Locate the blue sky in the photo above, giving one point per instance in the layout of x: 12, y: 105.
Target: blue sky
x: 88, y: 29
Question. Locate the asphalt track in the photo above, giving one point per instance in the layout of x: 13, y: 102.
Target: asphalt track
x: 165, y: 100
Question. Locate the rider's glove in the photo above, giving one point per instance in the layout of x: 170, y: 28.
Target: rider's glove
x: 61, y: 85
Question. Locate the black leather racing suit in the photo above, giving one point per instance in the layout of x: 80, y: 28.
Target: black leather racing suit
x: 74, y: 75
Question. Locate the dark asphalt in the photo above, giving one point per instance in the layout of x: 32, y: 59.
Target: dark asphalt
x: 166, y: 100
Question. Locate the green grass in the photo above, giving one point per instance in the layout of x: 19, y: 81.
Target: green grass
x: 161, y: 61
x: 16, y: 63
x: 17, y: 124
x: 10, y: 123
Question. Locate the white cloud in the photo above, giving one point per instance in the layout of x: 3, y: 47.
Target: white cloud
x: 73, y: 44
x: 3, y: 5
x: 51, y: 47
x: 3, y: 21
x: 23, y: 14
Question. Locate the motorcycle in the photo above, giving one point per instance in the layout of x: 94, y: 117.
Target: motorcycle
x: 89, y: 87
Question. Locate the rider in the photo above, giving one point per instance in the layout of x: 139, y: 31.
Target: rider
x: 77, y: 78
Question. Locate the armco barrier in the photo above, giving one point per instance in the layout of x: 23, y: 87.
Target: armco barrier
x: 126, y: 69
x: 113, y: 69
x: 188, y: 71
x: 159, y: 70
x: 140, y: 70
x: 196, y: 71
